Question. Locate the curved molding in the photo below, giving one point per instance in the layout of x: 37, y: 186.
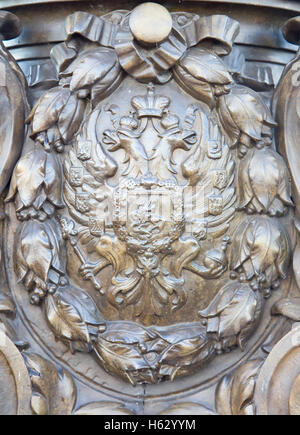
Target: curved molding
x: 19, y: 372
x: 277, y: 387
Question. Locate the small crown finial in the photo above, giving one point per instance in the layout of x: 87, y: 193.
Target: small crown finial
x: 150, y: 105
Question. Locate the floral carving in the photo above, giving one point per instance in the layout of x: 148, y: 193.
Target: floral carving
x: 232, y: 314
x: 98, y: 71
x: 264, y: 183
x: 148, y: 355
x: 203, y: 74
x: 46, y: 271
x: 73, y: 317
x: 36, y: 186
x: 261, y: 252
x: 245, y: 118
x: 44, y: 129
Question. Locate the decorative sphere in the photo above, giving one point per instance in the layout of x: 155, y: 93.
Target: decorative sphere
x: 291, y: 30
x: 10, y: 25
x: 150, y: 23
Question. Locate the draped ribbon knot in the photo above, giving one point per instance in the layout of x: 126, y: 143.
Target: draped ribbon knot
x: 145, y: 64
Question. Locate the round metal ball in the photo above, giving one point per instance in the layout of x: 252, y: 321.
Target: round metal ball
x: 291, y: 30
x: 150, y: 23
x: 10, y: 26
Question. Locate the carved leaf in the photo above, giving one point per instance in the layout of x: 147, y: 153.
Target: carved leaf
x: 127, y: 333
x: 65, y: 321
x: 188, y: 346
x: 220, y: 302
x: 234, y: 395
x: 239, y: 313
x: 34, y: 252
x: 187, y: 352
x: 296, y: 257
x: 94, y: 66
x: 57, y: 246
x: 103, y: 408
x: 82, y: 302
x: 53, y: 182
x: 54, y: 392
x: 71, y: 117
x: 182, y: 331
x: 23, y: 180
x: 126, y: 360
x: 36, y: 178
x: 288, y: 307
x: 39, y: 248
x: 198, y: 70
x: 206, y: 66
x: 243, y: 110
x: 232, y: 311
x: 198, y: 88
x: 106, y: 84
x: 261, y: 246
x: 264, y: 184
x: 47, y: 109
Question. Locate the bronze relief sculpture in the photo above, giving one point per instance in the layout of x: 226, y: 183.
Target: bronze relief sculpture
x: 150, y: 226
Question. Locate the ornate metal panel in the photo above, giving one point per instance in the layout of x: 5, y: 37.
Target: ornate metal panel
x: 149, y: 208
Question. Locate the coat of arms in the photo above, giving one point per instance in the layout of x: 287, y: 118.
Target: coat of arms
x: 153, y: 209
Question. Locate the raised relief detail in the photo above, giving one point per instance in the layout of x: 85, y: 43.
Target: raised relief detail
x: 153, y: 209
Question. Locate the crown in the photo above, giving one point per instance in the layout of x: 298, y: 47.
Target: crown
x: 170, y: 121
x: 150, y: 105
x: 129, y: 122
x: 218, y: 32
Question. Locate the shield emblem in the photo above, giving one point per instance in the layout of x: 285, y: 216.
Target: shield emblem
x: 151, y: 235
x: 215, y: 204
x: 76, y: 176
x: 82, y: 202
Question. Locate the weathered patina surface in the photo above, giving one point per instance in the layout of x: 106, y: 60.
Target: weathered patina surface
x: 149, y: 199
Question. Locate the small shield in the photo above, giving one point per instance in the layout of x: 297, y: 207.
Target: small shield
x: 215, y: 204
x: 96, y: 226
x: 76, y: 176
x: 214, y: 150
x: 84, y: 150
x: 82, y: 202
x: 199, y: 229
x: 219, y: 178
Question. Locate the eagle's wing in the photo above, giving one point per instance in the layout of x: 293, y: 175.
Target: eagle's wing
x: 86, y: 192
x: 211, y: 189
